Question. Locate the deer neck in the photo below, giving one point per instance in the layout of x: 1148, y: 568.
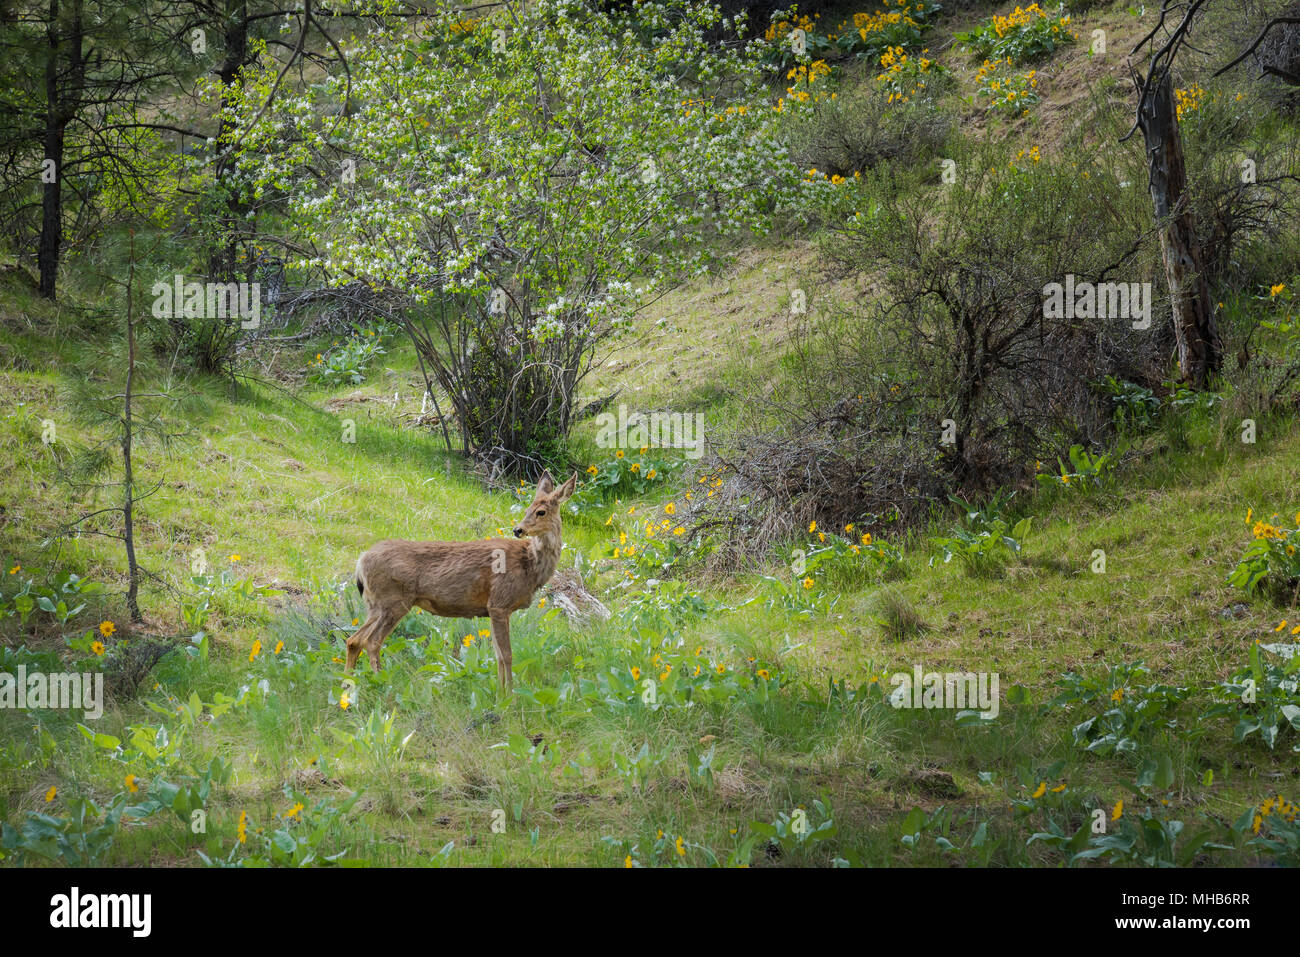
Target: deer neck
x: 545, y: 549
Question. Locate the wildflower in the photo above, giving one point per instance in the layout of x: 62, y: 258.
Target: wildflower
x: 542, y: 603
x: 866, y: 538
x: 467, y: 640
x: 15, y: 570
x: 721, y: 669
x: 257, y: 650
x: 812, y: 527
x: 1059, y: 788
x: 849, y: 527
x: 680, y: 845
x: 106, y: 628
x: 636, y: 673
x: 618, y: 454
x: 97, y: 647
x: 764, y: 673
x: 1274, y: 290
x: 345, y: 701
x: 49, y: 795
x: 652, y: 473
x: 295, y: 812
x: 243, y: 827
x: 355, y: 622
x: 670, y: 509
x: 807, y: 584
x: 279, y: 647
x: 679, y: 530
x: 131, y: 786
x: 1042, y: 789
x: 1117, y: 695
x: 234, y: 558
x: 1118, y: 812
x: 592, y: 470
x: 1281, y: 626
x: 627, y: 861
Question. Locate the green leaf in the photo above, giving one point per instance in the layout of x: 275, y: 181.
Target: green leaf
x: 105, y: 741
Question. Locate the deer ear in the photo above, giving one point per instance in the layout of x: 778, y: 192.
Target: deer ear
x: 546, y: 484
x: 567, y: 488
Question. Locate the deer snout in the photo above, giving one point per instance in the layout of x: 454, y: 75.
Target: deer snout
x: 519, y: 532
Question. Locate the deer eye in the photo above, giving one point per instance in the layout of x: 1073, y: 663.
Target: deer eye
x: 541, y: 512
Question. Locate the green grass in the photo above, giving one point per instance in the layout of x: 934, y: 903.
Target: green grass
x: 263, y: 476
x: 431, y: 764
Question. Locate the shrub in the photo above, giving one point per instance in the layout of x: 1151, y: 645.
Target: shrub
x: 959, y: 332
x: 1009, y: 92
x: 1027, y: 33
x: 1272, y: 560
x: 902, y: 77
x: 520, y: 251
x: 866, y: 34
x: 860, y: 129
x: 347, y: 363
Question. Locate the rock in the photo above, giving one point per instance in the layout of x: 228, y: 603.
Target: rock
x: 567, y: 593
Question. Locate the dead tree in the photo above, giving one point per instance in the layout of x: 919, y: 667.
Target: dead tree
x: 1200, y: 347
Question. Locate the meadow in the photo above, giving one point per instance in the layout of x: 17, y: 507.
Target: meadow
x: 1134, y: 601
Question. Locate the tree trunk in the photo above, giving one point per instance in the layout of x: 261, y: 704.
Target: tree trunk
x: 58, y: 113
x: 224, y: 251
x: 51, y: 241
x: 128, y: 473
x: 1200, y: 350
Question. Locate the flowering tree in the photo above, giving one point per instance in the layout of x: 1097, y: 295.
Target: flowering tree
x: 525, y: 182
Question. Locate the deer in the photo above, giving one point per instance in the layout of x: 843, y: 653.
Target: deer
x: 491, y: 578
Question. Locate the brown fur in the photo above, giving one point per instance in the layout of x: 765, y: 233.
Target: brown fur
x: 457, y: 579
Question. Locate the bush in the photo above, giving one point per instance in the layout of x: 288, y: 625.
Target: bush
x: 346, y: 364
x: 857, y: 131
x: 963, y: 271
x: 1027, y: 33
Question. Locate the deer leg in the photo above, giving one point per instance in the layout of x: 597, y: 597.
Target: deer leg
x: 501, y: 643
x: 358, y: 639
x: 383, y: 627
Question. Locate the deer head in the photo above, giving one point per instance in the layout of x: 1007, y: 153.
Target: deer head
x: 543, y: 515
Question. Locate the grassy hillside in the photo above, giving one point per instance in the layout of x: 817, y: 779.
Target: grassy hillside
x: 769, y: 704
